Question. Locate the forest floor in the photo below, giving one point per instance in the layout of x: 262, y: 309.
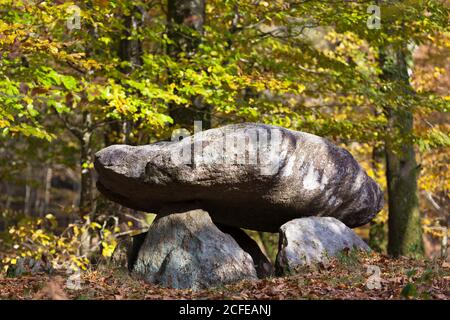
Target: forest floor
x: 348, y: 277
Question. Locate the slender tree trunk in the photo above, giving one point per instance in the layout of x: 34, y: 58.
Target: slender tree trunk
x: 86, y: 161
x: 131, y: 49
x: 86, y: 205
x: 405, y: 237
x: 186, y: 19
x: 377, y: 231
x: 48, y: 185
x: 85, y: 185
x: 8, y: 197
x: 27, y: 202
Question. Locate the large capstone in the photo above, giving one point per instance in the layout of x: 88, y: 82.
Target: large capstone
x: 309, y: 241
x: 249, y: 175
x: 185, y: 250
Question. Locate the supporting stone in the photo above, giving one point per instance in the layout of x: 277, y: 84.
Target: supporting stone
x: 264, y: 267
x: 308, y: 241
x: 185, y: 250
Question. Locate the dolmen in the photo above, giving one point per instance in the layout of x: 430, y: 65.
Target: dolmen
x: 204, y: 188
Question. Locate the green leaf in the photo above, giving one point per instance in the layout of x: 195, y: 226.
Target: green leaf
x: 69, y: 82
x: 32, y: 111
x: 409, y: 291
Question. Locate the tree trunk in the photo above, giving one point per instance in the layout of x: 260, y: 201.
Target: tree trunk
x: 8, y: 197
x: 86, y: 190
x: 27, y: 202
x: 378, y: 231
x: 47, y: 189
x: 131, y: 49
x: 405, y: 236
x: 185, y: 26
x: 85, y: 185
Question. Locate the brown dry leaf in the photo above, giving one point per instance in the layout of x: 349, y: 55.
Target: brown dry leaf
x: 441, y: 296
x: 339, y: 282
x: 53, y: 291
x: 396, y: 279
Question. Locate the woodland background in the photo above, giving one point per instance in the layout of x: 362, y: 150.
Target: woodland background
x: 76, y: 76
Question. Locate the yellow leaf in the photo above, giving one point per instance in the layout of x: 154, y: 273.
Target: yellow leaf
x: 95, y: 225
x: 108, y: 248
